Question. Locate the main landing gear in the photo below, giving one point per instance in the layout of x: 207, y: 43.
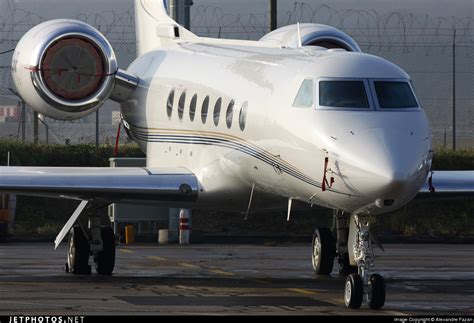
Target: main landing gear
x: 359, y: 281
x: 91, y: 240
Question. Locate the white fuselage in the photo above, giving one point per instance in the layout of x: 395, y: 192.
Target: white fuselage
x: 279, y: 149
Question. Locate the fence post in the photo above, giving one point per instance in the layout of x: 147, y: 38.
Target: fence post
x: 454, y: 90
x: 23, y: 121
x: 273, y: 15
x: 97, y: 128
x: 187, y: 14
x: 35, y: 127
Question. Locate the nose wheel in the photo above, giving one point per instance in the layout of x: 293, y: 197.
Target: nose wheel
x: 376, y: 292
x: 354, y: 291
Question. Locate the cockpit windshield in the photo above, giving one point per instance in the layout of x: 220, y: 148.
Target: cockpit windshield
x: 343, y: 94
x: 395, y: 95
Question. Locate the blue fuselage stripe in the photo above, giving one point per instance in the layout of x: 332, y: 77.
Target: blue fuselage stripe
x: 213, y: 141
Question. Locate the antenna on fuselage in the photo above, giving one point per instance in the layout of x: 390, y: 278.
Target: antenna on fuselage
x: 300, y: 43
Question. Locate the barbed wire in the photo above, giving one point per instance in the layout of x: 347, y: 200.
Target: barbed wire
x: 420, y: 43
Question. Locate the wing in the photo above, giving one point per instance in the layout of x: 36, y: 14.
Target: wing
x: 108, y: 184
x: 450, y: 183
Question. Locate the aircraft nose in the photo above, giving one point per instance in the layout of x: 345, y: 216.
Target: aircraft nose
x: 394, y: 163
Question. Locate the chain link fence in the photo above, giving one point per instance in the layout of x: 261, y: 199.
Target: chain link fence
x: 436, y: 51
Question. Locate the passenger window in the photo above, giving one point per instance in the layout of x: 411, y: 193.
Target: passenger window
x: 343, y: 94
x: 217, y: 111
x: 229, y: 114
x: 204, y: 109
x: 169, y: 104
x: 181, y: 102
x: 192, y: 107
x: 305, y: 96
x: 243, y: 116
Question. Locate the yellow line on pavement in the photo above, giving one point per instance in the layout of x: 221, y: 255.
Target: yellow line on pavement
x: 221, y: 272
x: 126, y: 250
x: 339, y: 301
x: 185, y: 264
x: 157, y: 258
x: 302, y: 291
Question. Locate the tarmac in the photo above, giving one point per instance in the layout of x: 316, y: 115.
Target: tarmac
x: 227, y: 279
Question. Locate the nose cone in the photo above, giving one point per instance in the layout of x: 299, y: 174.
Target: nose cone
x: 396, y: 154
x: 389, y: 165
x: 381, y: 156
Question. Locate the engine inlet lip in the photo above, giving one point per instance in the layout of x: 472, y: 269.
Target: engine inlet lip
x: 98, y: 52
x: 88, y: 33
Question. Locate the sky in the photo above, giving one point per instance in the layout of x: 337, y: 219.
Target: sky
x: 441, y: 8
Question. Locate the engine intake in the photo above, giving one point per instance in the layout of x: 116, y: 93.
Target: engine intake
x: 312, y: 35
x: 65, y: 69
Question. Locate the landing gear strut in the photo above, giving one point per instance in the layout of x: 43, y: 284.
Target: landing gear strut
x: 341, y: 221
x: 363, y: 283
x: 91, y: 240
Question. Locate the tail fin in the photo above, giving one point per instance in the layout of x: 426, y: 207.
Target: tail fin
x: 155, y: 28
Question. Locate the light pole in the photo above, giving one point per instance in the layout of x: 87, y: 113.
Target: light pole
x: 273, y: 15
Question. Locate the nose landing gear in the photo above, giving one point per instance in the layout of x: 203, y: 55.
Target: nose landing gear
x: 363, y: 283
x: 356, y: 258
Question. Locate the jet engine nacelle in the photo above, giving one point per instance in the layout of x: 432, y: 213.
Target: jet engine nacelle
x: 311, y: 35
x: 65, y: 69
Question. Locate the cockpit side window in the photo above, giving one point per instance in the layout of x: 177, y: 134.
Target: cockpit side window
x: 305, y: 96
x: 343, y: 94
x: 395, y: 95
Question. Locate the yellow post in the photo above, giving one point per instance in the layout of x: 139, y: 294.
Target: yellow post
x: 129, y: 234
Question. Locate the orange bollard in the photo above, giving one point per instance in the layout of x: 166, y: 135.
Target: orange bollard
x: 129, y: 234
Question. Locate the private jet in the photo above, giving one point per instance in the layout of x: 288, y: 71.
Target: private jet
x: 301, y: 115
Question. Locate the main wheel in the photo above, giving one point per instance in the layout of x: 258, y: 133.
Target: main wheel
x: 105, y: 260
x: 78, y: 252
x: 376, y: 291
x: 324, y: 251
x: 345, y: 268
x: 354, y: 291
